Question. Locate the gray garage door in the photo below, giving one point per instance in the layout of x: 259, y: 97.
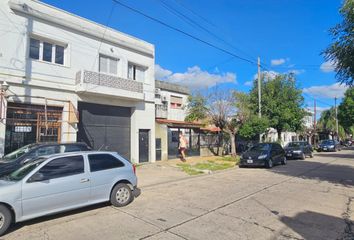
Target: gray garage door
x: 105, y: 127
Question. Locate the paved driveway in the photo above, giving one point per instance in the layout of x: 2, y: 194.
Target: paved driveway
x: 311, y: 199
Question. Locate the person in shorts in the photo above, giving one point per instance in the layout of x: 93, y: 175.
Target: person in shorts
x: 182, y: 147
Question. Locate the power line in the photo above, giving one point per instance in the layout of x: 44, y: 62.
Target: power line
x: 185, y: 33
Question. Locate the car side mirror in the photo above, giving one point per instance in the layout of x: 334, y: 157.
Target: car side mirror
x: 37, y: 177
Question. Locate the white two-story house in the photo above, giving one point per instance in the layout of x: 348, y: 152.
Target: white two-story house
x: 71, y: 79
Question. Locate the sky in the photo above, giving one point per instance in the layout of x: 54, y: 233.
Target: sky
x: 288, y: 36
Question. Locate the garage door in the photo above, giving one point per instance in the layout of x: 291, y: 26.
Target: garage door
x: 105, y: 127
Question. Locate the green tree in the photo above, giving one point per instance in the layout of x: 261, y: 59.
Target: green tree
x: 254, y: 126
x: 282, y: 103
x: 327, y: 123
x: 196, y: 107
x: 341, y: 51
x: 346, y: 110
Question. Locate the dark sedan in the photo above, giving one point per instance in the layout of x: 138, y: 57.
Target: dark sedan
x: 329, y: 146
x: 17, y: 158
x: 263, y: 154
x: 298, y: 150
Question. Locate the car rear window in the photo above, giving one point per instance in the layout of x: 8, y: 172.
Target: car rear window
x: 100, y: 162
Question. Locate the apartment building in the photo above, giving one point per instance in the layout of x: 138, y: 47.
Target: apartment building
x: 65, y: 78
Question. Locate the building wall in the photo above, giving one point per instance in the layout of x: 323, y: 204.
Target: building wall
x: 162, y: 132
x: 38, y: 78
x: 178, y: 114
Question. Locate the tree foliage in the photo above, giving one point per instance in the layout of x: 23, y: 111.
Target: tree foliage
x: 196, y: 107
x: 341, y: 51
x: 282, y: 103
x: 254, y: 126
x: 346, y: 110
x: 327, y: 123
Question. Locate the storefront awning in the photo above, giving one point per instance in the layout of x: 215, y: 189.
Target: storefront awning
x: 179, y: 124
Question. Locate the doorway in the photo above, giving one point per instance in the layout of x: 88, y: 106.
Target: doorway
x: 144, y: 145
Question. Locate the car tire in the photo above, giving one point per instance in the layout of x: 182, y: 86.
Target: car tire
x: 5, y: 219
x: 269, y: 163
x: 241, y: 166
x: 121, y: 195
x: 284, y: 161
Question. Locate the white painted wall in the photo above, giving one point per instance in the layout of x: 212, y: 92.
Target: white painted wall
x: 84, y: 44
x: 178, y: 114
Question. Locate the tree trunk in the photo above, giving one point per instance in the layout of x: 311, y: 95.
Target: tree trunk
x: 233, y: 144
x: 279, y: 136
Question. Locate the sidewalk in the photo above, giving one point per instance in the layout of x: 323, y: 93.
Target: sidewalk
x: 166, y: 171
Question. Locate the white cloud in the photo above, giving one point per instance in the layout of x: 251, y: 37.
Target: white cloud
x: 248, y: 83
x: 194, y: 77
x: 267, y: 74
x: 328, y: 66
x: 327, y: 91
x: 161, y: 73
x: 296, y: 71
x: 277, y: 62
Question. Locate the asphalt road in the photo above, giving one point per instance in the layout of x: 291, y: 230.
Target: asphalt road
x: 310, y: 199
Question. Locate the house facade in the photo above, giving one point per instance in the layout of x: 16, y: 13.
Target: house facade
x: 71, y: 79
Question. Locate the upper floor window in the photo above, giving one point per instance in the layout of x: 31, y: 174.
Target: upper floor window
x: 108, y: 65
x: 46, y: 51
x: 176, y: 102
x: 136, y: 72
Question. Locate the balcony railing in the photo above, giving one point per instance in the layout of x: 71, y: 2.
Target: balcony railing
x: 161, y: 111
x: 105, y: 80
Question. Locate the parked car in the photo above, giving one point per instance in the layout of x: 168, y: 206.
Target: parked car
x: 348, y: 143
x: 263, y: 154
x: 17, y: 158
x: 62, y: 182
x: 329, y: 146
x: 295, y: 150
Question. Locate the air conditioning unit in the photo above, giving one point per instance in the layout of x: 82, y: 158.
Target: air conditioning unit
x: 157, y: 91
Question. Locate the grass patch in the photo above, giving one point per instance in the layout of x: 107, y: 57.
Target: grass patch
x: 235, y: 160
x: 189, y: 169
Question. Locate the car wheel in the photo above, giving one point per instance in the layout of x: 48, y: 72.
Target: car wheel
x: 121, y: 195
x: 303, y: 156
x: 284, y: 161
x: 269, y: 163
x: 5, y: 219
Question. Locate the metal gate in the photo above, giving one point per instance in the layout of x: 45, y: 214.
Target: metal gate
x: 105, y: 127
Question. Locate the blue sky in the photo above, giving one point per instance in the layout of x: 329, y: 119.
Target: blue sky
x: 288, y: 35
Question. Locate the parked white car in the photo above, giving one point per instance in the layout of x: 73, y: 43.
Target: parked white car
x: 63, y: 182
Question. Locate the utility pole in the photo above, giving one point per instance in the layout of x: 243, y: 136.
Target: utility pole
x: 314, y: 121
x: 335, y: 106
x: 259, y: 94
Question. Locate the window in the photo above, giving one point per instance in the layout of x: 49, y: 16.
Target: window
x: 100, y: 162
x: 176, y: 102
x: 136, y: 72
x: 108, y: 65
x: 34, y: 48
x: 46, y: 51
x: 63, y: 167
x: 70, y: 148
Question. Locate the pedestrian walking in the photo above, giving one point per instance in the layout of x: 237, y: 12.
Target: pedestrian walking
x: 182, y: 147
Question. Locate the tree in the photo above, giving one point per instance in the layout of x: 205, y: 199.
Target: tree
x: 254, y: 126
x: 327, y: 123
x: 282, y: 103
x: 346, y: 110
x: 196, y: 107
x: 341, y: 51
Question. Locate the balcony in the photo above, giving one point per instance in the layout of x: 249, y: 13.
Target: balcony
x: 104, y: 84
x: 161, y: 111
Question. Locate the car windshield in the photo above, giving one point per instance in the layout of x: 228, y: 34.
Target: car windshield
x: 22, y: 172
x: 296, y: 144
x: 18, y: 153
x: 260, y: 147
x: 328, y: 142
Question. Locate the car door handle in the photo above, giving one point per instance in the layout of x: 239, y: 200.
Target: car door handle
x: 84, y: 180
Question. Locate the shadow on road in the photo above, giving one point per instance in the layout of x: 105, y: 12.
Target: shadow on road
x: 334, y: 173
x: 345, y: 153
x: 72, y: 213
x: 313, y: 225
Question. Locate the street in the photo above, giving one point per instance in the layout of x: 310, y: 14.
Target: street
x: 311, y: 199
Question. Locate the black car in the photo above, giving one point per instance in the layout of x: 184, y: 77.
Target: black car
x: 17, y: 158
x: 295, y: 150
x: 263, y: 154
x: 329, y: 146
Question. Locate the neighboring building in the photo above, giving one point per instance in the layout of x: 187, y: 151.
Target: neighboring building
x: 171, y: 101
x: 72, y: 79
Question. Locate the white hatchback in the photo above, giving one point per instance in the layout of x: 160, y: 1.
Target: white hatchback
x: 63, y: 182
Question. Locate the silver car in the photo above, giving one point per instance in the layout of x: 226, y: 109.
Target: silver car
x: 63, y: 182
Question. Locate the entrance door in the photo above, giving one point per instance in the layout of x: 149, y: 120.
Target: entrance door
x: 105, y: 127
x: 143, y: 145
